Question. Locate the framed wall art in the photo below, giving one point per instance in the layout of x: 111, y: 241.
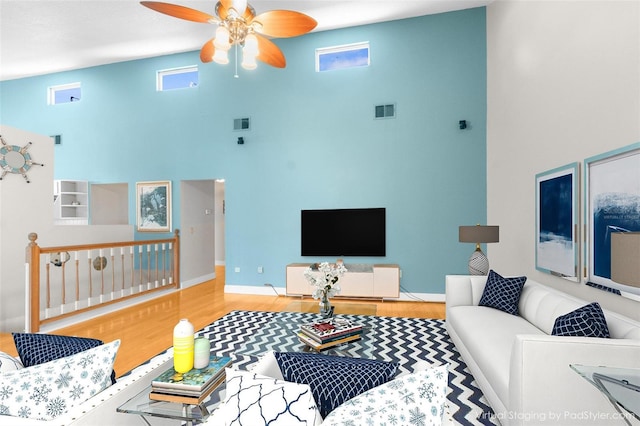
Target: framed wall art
x: 153, y: 206
x: 612, y: 206
x: 557, y: 230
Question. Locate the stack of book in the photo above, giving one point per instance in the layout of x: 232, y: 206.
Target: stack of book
x: 325, y: 334
x: 191, y: 387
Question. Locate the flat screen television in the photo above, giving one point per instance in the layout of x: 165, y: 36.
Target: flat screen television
x: 343, y: 232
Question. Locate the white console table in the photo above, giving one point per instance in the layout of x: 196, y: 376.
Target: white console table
x: 375, y: 281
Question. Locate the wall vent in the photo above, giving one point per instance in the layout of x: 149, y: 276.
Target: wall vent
x: 385, y: 111
x: 241, y: 124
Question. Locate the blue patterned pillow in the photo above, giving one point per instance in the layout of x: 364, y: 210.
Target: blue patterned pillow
x: 35, y: 349
x: 587, y: 321
x: 334, y: 379
x: 502, y: 293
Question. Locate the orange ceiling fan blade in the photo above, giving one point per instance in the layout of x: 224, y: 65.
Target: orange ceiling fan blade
x: 270, y: 53
x: 207, y: 51
x: 284, y: 23
x: 181, y: 12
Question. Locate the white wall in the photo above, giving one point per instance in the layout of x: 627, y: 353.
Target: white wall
x: 22, y: 208
x: 563, y: 85
x: 28, y: 207
x: 219, y: 212
x: 197, y: 236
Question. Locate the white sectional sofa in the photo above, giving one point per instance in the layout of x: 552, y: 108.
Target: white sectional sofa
x: 521, y: 368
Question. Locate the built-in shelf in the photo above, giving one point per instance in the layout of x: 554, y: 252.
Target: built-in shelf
x: 71, y: 202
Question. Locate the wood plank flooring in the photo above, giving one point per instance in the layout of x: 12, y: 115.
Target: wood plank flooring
x: 146, y: 329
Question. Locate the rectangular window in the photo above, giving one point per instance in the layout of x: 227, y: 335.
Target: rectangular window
x: 64, y: 93
x: 341, y: 57
x: 177, y: 78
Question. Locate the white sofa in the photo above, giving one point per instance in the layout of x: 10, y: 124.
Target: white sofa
x: 521, y: 368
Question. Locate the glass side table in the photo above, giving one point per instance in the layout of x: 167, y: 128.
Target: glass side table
x: 621, y: 386
x: 192, y: 414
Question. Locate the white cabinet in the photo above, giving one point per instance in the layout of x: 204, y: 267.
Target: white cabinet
x: 368, y: 281
x: 71, y: 202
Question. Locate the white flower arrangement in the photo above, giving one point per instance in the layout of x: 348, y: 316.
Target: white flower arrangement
x: 325, y: 278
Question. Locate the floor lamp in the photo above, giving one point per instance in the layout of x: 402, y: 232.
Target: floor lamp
x: 478, y: 262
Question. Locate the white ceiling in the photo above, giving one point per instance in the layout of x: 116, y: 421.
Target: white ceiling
x: 43, y: 36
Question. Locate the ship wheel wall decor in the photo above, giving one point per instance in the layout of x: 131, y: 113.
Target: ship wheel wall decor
x: 239, y: 25
x: 15, y: 159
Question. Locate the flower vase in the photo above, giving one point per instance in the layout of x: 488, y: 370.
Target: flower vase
x: 326, y: 310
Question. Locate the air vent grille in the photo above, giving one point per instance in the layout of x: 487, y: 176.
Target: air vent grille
x: 385, y: 111
x: 241, y: 124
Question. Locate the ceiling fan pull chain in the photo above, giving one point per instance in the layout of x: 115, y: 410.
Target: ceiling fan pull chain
x: 236, y: 74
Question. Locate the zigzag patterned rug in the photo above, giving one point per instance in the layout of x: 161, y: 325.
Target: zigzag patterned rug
x: 244, y: 335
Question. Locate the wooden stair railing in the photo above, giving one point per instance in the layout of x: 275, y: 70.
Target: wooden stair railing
x: 97, y: 275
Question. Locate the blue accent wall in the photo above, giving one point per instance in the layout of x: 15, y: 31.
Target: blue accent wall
x: 313, y: 143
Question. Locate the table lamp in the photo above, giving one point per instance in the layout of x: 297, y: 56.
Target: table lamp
x: 478, y: 262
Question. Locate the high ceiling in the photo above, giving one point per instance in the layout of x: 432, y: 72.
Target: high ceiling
x: 44, y: 36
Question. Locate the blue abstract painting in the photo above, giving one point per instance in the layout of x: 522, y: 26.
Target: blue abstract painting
x: 556, y: 248
x: 613, y: 206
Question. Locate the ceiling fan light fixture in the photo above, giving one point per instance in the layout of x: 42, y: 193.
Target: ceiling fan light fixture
x: 249, y: 62
x: 250, y: 45
x: 240, y: 6
x: 221, y: 42
x: 220, y: 57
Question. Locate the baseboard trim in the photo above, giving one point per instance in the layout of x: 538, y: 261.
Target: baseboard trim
x: 198, y: 280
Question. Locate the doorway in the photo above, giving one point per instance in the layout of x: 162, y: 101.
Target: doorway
x: 202, y: 233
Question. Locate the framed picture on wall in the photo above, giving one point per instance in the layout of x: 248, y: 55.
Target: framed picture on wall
x: 612, y: 206
x: 153, y: 206
x: 557, y: 230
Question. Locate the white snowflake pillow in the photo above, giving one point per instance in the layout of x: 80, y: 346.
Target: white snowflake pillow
x: 9, y: 363
x: 417, y: 398
x: 47, y: 390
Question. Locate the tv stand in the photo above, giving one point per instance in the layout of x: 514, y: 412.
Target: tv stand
x: 362, y: 280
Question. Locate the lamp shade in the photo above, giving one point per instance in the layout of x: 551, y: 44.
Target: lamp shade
x: 479, y: 234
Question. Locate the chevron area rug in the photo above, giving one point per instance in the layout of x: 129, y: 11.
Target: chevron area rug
x: 244, y: 335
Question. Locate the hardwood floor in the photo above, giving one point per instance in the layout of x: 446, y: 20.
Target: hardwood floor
x: 146, y: 329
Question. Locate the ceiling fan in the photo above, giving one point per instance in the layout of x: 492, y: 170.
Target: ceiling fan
x: 239, y: 25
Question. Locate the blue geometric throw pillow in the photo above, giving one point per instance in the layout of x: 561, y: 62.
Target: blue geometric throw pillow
x: 35, y: 349
x: 334, y: 379
x: 587, y: 321
x: 502, y: 293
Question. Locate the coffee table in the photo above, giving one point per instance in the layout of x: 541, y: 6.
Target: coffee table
x: 189, y: 413
x: 621, y: 386
x: 281, y: 335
